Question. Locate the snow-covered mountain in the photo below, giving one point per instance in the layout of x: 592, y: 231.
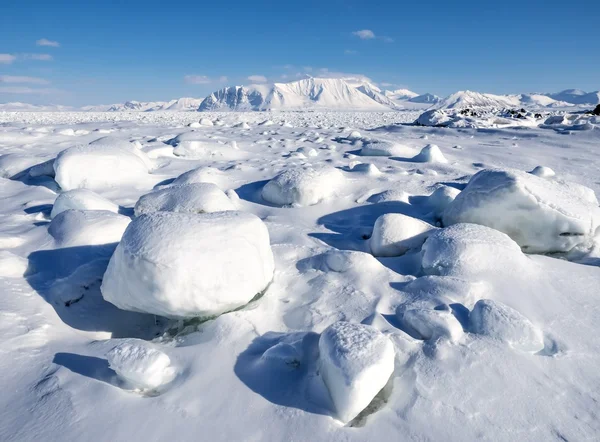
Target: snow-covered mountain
x: 25, y: 107
x: 180, y: 104
x: 576, y: 96
x: 308, y: 93
x: 470, y: 99
x: 401, y: 94
x: 425, y: 98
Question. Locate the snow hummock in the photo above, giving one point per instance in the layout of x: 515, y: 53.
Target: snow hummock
x: 98, y: 166
x: 73, y: 228
x: 499, y: 321
x: 191, y: 198
x: 543, y: 171
x: 430, y: 154
x: 470, y: 99
x: 394, y: 234
x: 433, y: 324
x: 304, y: 186
x: 541, y: 215
x: 356, y: 361
x: 141, y: 364
x: 204, y: 277
x: 81, y: 199
x: 373, y: 147
x: 440, y: 199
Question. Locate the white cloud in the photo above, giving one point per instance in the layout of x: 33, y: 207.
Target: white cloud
x: 7, y: 58
x: 326, y: 73
x: 386, y: 84
x: 21, y: 79
x: 364, y: 34
x: 257, y: 78
x: 350, y: 52
x: 27, y: 90
x: 46, y: 42
x: 197, y: 79
x: 40, y: 57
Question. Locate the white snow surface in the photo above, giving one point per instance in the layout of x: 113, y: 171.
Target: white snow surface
x: 254, y: 373
x: 188, y: 265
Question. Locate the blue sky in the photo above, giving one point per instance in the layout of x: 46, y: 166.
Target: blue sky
x: 92, y: 52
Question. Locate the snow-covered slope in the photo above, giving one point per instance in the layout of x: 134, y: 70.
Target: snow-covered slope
x: 425, y: 98
x: 401, y: 94
x: 576, y: 96
x: 470, y: 99
x: 308, y: 93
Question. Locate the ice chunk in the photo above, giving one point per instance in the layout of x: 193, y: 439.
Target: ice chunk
x: 185, y: 265
x: 541, y: 215
x: 191, y: 198
x: 141, y: 364
x: 499, y: 321
x: 430, y: 154
x: 394, y: 234
x: 206, y: 122
x: 73, y: 228
x: 303, y: 186
x: 356, y: 361
x: 470, y: 249
x: 98, y: 166
x: 81, y: 199
x: 432, y: 324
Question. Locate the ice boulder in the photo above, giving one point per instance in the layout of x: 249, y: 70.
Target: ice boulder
x: 433, y: 324
x: 141, y: 365
x: 182, y: 265
x: 384, y: 148
x: 470, y: 250
x: 499, y: 321
x: 99, y: 166
x: 430, y: 154
x: 440, y: 199
x: 356, y: 361
x: 303, y: 186
x: 73, y: 228
x: 541, y: 215
x: 81, y: 199
x: 394, y: 234
x: 191, y: 198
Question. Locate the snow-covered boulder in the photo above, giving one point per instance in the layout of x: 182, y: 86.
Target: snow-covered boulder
x: 384, y: 148
x: 430, y: 154
x: 191, y: 198
x: 99, y: 166
x: 499, y: 321
x: 81, y: 199
x: 187, y: 265
x: 440, y: 199
x: 303, y: 186
x: 541, y: 215
x: 433, y: 324
x: 140, y: 364
x: 354, y: 135
x: 356, y: 361
x: 542, y: 171
x: 433, y: 290
x: 203, y: 174
x: 73, y: 228
x: 471, y: 249
x: 394, y: 234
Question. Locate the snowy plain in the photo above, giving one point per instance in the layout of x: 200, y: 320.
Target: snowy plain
x: 488, y: 342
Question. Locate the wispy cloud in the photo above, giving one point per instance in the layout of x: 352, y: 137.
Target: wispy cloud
x: 22, y: 79
x: 7, y: 58
x: 350, y: 52
x: 386, y: 84
x: 387, y: 39
x: 257, y: 78
x: 27, y: 90
x: 364, y: 34
x: 204, y: 79
x: 46, y: 42
x: 39, y: 57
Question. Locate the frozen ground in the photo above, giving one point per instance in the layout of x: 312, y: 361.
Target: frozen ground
x: 488, y: 342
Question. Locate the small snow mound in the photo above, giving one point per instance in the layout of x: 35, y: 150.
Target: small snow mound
x: 73, y: 228
x: 190, y: 198
x: 496, y: 320
x: 99, y: 166
x: 543, y: 171
x: 430, y: 154
x: 195, y: 124
x: 303, y: 186
x: 266, y: 123
x: 394, y: 234
x: 541, y: 215
x: 440, y: 199
x: 206, y: 122
x: 204, y: 174
x: 11, y: 265
x: 341, y: 261
x: 81, y: 199
x: 366, y: 168
x: 141, y: 364
x: 204, y: 277
x: 354, y: 135
x: 356, y: 361
x: 391, y: 195
x: 308, y: 151
x: 384, y: 148
x: 242, y: 125
x: 471, y: 249
x: 430, y: 324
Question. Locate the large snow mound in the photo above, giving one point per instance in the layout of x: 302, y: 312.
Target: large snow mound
x: 433, y: 324
x: 499, y: 321
x: 141, y: 364
x: 73, y: 228
x: 303, y: 186
x: 470, y: 249
x: 181, y: 265
x: 394, y: 234
x: 356, y: 361
x: 191, y: 198
x: 541, y: 215
x: 81, y: 199
x: 99, y: 166
x: 204, y: 174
